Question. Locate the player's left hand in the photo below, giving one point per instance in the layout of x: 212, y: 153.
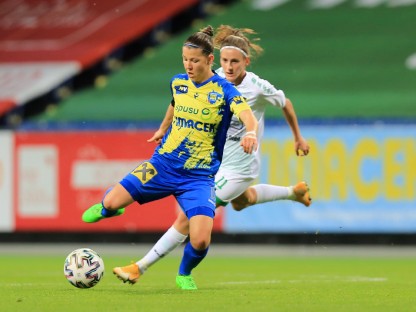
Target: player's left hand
x: 301, y: 147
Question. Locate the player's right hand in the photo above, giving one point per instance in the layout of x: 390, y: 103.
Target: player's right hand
x: 249, y: 143
x: 157, y: 137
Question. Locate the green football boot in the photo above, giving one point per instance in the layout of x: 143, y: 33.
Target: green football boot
x: 93, y: 214
x: 185, y: 282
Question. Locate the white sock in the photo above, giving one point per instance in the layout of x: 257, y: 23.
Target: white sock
x: 168, y: 242
x: 267, y: 193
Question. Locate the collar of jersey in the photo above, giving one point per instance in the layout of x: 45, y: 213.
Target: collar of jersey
x: 198, y: 85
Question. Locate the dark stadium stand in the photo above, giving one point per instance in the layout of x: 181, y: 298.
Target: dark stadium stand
x: 48, y: 51
x: 330, y: 66
x: 342, y: 62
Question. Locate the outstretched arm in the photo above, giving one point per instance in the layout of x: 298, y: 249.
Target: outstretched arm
x: 249, y: 140
x: 164, y: 126
x: 301, y: 145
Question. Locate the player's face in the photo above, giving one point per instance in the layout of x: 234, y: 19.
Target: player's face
x: 234, y: 64
x: 196, y: 64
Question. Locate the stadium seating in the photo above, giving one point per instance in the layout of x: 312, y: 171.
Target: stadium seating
x: 48, y: 50
x: 341, y: 61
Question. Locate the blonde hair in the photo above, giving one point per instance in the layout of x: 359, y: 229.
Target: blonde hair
x: 239, y: 38
x: 203, y: 39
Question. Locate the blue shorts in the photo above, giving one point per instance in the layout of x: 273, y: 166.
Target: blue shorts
x: 152, y: 180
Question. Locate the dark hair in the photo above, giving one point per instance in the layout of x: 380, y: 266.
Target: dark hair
x: 203, y: 39
x: 237, y: 37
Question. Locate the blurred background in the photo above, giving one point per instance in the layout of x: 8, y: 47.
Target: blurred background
x: 84, y: 84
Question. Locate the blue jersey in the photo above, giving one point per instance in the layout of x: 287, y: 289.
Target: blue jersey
x: 195, y: 140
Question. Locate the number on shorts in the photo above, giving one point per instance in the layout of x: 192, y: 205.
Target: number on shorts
x: 220, y: 183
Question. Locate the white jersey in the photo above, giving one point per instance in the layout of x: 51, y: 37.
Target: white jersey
x: 258, y: 93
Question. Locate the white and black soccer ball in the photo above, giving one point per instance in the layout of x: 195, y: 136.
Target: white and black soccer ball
x: 84, y: 268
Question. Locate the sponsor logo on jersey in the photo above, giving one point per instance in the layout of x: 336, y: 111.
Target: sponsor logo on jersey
x: 205, y: 114
x: 192, y: 124
x: 186, y: 109
x: 238, y: 99
x: 181, y: 89
x: 144, y: 172
x: 233, y: 138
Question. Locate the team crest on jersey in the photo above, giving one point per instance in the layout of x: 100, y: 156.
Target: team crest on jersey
x: 181, y: 89
x: 213, y: 97
x: 144, y: 172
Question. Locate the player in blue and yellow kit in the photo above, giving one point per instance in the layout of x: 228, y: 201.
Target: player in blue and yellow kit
x: 185, y: 163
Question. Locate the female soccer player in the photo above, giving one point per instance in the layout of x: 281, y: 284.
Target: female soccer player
x: 186, y: 161
x: 238, y: 169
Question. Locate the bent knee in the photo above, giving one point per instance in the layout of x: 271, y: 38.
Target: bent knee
x: 111, y: 201
x: 200, y: 243
x: 238, y: 206
x: 248, y: 198
x: 117, y: 198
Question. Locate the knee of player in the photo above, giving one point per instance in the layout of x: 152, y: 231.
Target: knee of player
x: 237, y: 206
x: 110, y: 202
x: 248, y: 198
x: 200, y: 243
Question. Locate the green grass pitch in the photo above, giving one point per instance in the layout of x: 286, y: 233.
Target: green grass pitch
x: 226, y: 283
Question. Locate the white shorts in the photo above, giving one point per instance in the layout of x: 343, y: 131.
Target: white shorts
x: 229, y: 185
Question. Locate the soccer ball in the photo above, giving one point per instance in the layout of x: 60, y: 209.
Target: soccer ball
x: 84, y: 268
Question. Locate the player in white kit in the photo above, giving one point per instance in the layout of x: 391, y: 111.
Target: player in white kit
x: 238, y: 169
